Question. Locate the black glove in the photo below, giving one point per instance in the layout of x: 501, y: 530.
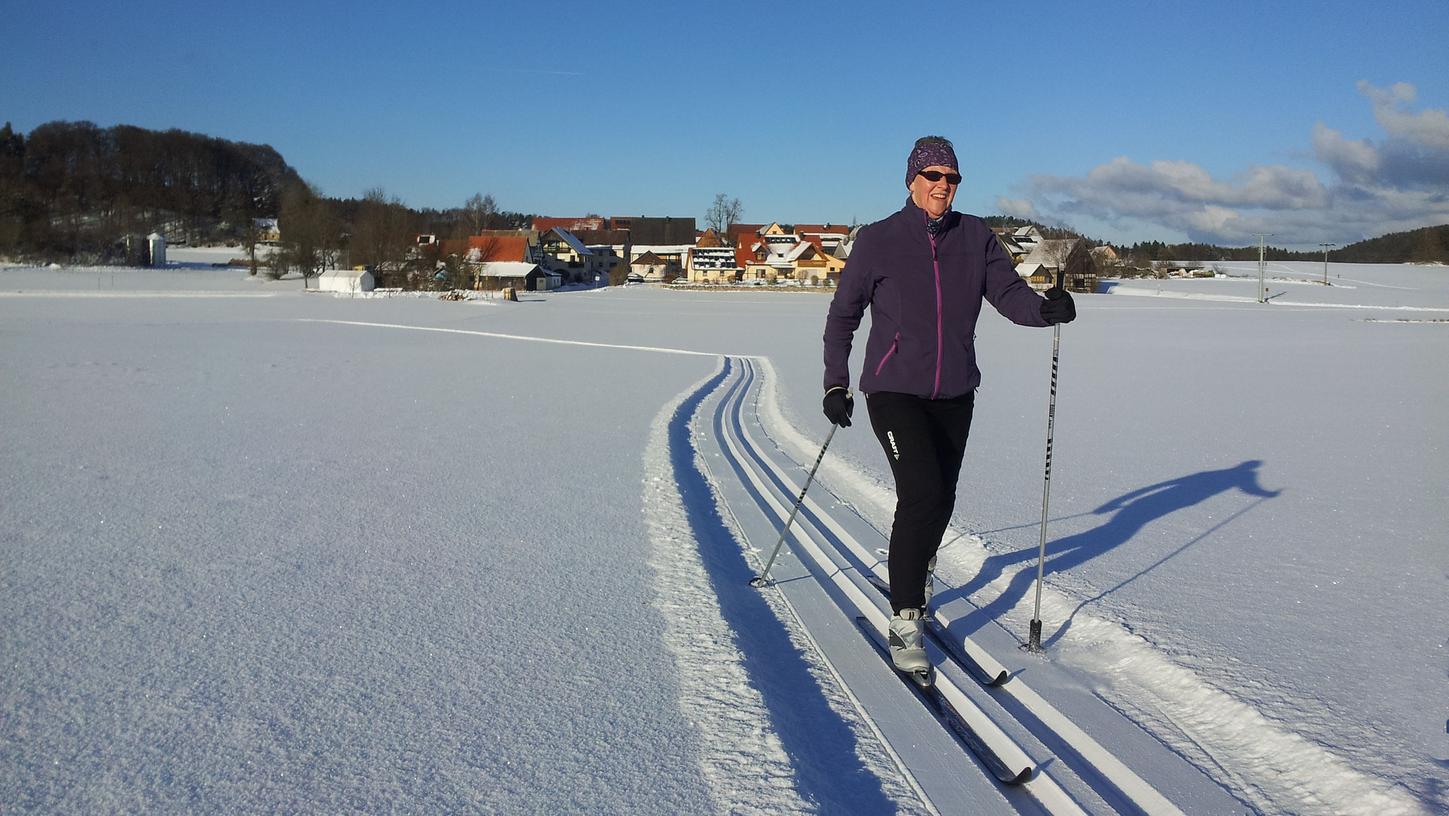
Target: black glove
x: 838, y: 405
x: 1058, y: 307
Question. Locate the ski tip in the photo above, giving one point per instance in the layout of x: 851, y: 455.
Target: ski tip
x: 1023, y: 776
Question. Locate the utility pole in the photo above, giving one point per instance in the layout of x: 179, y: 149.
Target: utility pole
x: 1262, y: 266
x: 1325, y: 262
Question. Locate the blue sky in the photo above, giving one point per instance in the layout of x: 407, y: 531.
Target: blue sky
x: 1317, y: 121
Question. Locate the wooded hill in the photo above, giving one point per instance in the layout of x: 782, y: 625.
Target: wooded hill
x: 1426, y: 245
x: 72, y: 188
x: 73, y: 191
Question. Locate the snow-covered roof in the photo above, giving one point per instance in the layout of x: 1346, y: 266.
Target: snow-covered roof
x: 798, y: 250
x: 572, y: 240
x: 506, y: 269
x: 1052, y: 253
x: 344, y: 274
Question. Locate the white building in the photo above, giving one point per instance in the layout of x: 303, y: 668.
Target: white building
x: 346, y: 281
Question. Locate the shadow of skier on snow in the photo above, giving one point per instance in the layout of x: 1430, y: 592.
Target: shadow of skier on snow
x: 1130, y: 513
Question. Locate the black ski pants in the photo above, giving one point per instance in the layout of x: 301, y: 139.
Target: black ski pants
x: 924, y: 441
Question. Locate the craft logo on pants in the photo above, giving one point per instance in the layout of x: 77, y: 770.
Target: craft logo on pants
x: 895, y: 451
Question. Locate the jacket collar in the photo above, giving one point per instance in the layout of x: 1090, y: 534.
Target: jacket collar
x: 917, y: 217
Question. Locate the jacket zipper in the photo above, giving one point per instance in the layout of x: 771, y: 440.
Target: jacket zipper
x: 936, y: 265
x: 892, y: 350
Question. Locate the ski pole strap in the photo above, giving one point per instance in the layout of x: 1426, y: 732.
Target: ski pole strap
x: 832, y: 390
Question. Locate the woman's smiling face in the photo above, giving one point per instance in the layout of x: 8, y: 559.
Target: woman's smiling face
x: 934, y: 197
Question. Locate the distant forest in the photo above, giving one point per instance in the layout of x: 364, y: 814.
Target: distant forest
x: 1426, y: 245
x: 73, y: 191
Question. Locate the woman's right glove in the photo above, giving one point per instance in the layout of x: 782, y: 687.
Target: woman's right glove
x: 838, y: 405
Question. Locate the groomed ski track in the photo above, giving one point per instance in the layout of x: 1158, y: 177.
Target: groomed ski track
x: 1010, y: 750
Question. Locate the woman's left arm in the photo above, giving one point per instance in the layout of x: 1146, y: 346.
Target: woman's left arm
x: 1005, y: 290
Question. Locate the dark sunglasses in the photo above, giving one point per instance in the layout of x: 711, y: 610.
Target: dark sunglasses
x: 937, y: 175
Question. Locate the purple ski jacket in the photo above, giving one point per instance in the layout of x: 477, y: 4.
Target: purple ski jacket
x: 924, y: 293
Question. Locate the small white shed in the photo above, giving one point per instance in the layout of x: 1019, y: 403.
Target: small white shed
x: 156, y: 248
x: 347, y: 281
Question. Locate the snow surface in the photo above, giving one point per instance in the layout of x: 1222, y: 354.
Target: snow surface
x: 269, y: 550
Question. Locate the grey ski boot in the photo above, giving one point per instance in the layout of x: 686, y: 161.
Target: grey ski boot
x: 908, y: 651
x: 930, y: 582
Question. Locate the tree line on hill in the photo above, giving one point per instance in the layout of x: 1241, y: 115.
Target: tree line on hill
x: 74, y: 192
x: 73, y: 189
x: 1424, y: 245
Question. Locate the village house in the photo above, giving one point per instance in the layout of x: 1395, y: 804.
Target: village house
x: 1105, y: 255
x: 1013, y: 249
x: 492, y: 246
x: 651, y: 268
x: 1018, y: 241
x: 542, y: 223
x: 268, y: 230
x: 618, y: 241
x: 561, y: 251
x: 1027, y: 238
x: 346, y: 281
x: 814, y: 266
x: 495, y: 275
x: 710, y: 260
x: 1069, y: 255
x: 808, y: 254
x: 827, y: 237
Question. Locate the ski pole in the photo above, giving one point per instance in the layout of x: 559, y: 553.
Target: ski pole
x: 1034, y: 637
x: 764, y: 577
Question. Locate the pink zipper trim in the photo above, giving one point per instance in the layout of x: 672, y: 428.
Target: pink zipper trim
x: 892, y: 350
x: 936, y: 263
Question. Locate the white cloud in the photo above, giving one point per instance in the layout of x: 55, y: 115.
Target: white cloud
x: 1019, y: 207
x: 1355, y: 162
x: 1400, y: 183
x: 1428, y: 128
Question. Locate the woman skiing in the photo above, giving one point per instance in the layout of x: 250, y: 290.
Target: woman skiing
x: 923, y: 272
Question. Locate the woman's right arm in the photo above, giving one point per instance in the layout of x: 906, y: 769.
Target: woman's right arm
x: 846, y: 309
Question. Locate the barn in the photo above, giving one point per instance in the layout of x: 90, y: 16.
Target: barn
x: 346, y: 281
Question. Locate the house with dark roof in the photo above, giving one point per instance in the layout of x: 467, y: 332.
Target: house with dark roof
x: 1069, y: 255
x: 561, y: 251
x: 649, y: 230
x: 575, y: 225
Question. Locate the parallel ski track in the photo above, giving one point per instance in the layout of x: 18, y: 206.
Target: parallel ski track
x: 815, y: 536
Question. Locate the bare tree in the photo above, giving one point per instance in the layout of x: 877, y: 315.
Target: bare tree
x: 251, y: 235
x: 480, y: 210
x: 382, y: 234
x: 310, y: 233
x: 723, y: 212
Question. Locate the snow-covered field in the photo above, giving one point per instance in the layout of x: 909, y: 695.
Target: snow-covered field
x: 268, y: 550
